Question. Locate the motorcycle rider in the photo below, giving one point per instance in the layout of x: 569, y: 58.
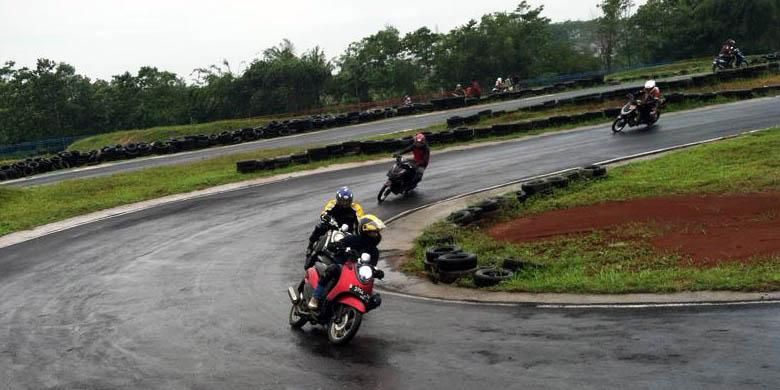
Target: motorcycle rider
x: 365, y: 241
x: 422, y: 155
x: 650, y: 100
x: 459, y: 91
x: 343, y: 210
x: 727, y: 51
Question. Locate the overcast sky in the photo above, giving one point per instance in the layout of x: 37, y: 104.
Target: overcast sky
x: 102, y: 38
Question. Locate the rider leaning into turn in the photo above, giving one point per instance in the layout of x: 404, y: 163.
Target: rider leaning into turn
x: 343, y: 210
x: 650, y: 99
x: 365, y: 241
x: 422, y: 155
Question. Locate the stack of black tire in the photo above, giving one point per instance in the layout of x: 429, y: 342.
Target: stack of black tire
x: 448, y: 263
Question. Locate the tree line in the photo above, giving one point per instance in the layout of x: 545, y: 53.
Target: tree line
x: 52, y: 100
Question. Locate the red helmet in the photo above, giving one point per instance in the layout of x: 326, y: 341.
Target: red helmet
x: 419, y: 139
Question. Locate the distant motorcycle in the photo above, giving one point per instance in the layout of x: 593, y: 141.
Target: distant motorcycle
x: 400, y: 179
x: 737, y: 61
x: 631, y: 115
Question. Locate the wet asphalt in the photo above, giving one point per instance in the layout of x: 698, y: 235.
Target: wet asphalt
x: 191, y: 295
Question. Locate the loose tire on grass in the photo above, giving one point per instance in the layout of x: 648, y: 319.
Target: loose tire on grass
x: 461, y: 218
x: 448, y: 277
x: 453, y: 262
x: 536, y: 187
x: 594, y: 172
x: 432, y: 255
x: 476, y: 212
x: 486, y: 277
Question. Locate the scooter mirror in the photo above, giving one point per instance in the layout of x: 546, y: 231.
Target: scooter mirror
x: 365, y: 258
x: 344, y: 227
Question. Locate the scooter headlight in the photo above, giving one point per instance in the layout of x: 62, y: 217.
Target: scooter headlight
x: 365, y: 273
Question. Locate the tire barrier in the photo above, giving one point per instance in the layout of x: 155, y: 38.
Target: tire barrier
x: 277, y: 129
x: 449, y: 267
x: 461, y: 217
x: 558, y: 181
x: 536, y: 187
x: 489, y: 205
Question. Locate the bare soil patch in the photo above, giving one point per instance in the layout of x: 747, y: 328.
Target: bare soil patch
x: 705, y: 228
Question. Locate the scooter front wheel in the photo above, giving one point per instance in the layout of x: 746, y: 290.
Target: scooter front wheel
x: 344, y: 325
x: 618, y: 125
x: 297, y: 321
x: 384, y: 192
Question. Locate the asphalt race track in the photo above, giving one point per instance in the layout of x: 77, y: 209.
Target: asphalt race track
x: 191, y: 295
x: 335, y: 135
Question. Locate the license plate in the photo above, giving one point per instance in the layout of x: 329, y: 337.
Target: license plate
x: 362, y: 294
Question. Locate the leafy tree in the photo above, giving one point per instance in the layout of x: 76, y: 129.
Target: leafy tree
x: 611, y: 25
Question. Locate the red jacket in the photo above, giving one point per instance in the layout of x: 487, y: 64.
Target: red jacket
x: 422, y: 154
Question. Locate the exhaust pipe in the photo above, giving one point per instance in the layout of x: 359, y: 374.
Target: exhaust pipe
x: 293, y: 295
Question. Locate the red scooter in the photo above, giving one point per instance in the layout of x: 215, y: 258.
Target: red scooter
x: 350, y: 298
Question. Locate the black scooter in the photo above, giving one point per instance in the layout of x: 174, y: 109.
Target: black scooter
x: 400, y: 179
x: 737, y: 61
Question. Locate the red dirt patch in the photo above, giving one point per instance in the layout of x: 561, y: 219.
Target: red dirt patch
x: 709, y: 229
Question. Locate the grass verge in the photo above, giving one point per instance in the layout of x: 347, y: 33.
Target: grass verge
x: 600, y: 263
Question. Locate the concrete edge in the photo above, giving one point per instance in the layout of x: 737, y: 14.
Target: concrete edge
x: 405, y: 227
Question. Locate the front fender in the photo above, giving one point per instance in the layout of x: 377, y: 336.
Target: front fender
x: 353, y: 301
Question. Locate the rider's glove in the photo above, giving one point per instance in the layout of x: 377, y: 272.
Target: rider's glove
x: 379, y: 274
x: 325, y: 218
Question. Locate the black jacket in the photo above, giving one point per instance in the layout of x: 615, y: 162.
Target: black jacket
x: 358, y: 245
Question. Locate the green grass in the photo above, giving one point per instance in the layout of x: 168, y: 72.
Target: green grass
x: 693, y: 66
x: 597, y: 263
x: 163, y: 133
x: 698, y: 65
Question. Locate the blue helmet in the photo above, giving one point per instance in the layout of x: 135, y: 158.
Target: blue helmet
x: 344, y: 197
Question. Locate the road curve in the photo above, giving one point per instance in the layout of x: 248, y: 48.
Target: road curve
x: 191, y: 295
x: 323, y: 137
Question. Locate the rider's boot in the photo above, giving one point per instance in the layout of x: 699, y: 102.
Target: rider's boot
x: 314, y: 302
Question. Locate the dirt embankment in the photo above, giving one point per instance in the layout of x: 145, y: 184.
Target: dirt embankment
x: 708, y: 229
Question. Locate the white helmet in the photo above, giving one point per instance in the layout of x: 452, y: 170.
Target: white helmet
x: 499, y: 80
x: 650, y: 84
